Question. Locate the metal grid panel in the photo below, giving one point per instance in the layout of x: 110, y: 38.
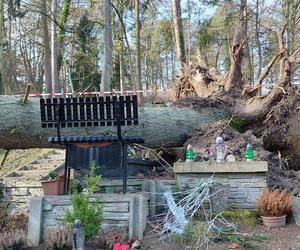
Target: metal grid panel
x: 89, y: 111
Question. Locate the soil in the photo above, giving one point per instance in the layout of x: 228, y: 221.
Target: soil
x: 285, y: 238
x: 279, y: 175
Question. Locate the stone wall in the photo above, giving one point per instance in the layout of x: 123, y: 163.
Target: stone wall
x: 129, y: 211
x: 19, y: 193
x: 246, y: 179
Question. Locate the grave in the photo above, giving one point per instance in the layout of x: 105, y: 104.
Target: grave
x: 246, y: 179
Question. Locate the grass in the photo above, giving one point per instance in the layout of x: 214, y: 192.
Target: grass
x: 20, y: 157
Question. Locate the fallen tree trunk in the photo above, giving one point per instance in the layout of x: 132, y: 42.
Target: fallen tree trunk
x: 20, y: 125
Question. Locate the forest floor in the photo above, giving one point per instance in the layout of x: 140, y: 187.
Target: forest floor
x: 285, y: 238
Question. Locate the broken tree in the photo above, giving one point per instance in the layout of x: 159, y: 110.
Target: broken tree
x: 20, y: 125
x: 275, y: 116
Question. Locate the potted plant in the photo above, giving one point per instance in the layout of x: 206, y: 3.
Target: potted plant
x: 273, y: 207
x: 54, y: 185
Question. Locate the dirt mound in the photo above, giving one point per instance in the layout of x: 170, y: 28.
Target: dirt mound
x: 278, y: 176
x: 282, y: 129
x: 204, y: 136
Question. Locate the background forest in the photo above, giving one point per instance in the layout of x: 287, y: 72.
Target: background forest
x: 125, y: 44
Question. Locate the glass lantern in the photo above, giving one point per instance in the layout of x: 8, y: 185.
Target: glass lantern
x: 78, y: 235
x: 220, y: 149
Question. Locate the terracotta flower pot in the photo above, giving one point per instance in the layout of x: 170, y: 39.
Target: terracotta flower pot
x: 274, y: 221
x: 53, y: 187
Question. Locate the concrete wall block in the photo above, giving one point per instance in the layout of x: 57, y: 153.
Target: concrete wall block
x: 244, y: 186
x: 49, y: 222
x: 235, y: 185
x: 243, y: 205
x: 250, y: 189
x: 49, y: 215
x: 238, y: 199
x: 254, y: 185
x: 237, y: 195
x: 60, y: 211
x: 15, y: 207
x: 35, y: 191
x: 137, y: 218
x: 257, y: 178
x: 35, y: 221
x: 242, y: 176
x: 253, y: 197
x: 240, y: 180
x: 21, y: 199
x: 17, y: 191
x: 47, y: 206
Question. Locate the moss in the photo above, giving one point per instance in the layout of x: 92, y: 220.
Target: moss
x: 245, y: 216
x: 239, y: 124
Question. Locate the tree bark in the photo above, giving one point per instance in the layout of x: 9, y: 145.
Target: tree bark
x: 160, y: 126
x: 281, y: 43
x: 235, y: 77
x: 107, y: 53
x: 63, y: 18
x: 56, y: 87
x: 178, y: 30
x: 257, y: 40
x: 122, y: 60
x: 47, y: 50
x: 3, y: 69
x: 138, y: 53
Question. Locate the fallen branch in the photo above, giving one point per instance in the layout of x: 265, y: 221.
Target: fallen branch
x: 4, y: 158
x: 267, y: 70
x: 27, y: 92
x: 281, y: 44
x: 294, y: 58
x: 250, y: 92
x: 86, y: 89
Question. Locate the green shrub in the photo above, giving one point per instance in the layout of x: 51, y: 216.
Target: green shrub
x: 92, y: 179
x: 89, y: 215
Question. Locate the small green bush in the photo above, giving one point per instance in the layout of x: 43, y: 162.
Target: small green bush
x: 89, y: 215
x: 92, y: 179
